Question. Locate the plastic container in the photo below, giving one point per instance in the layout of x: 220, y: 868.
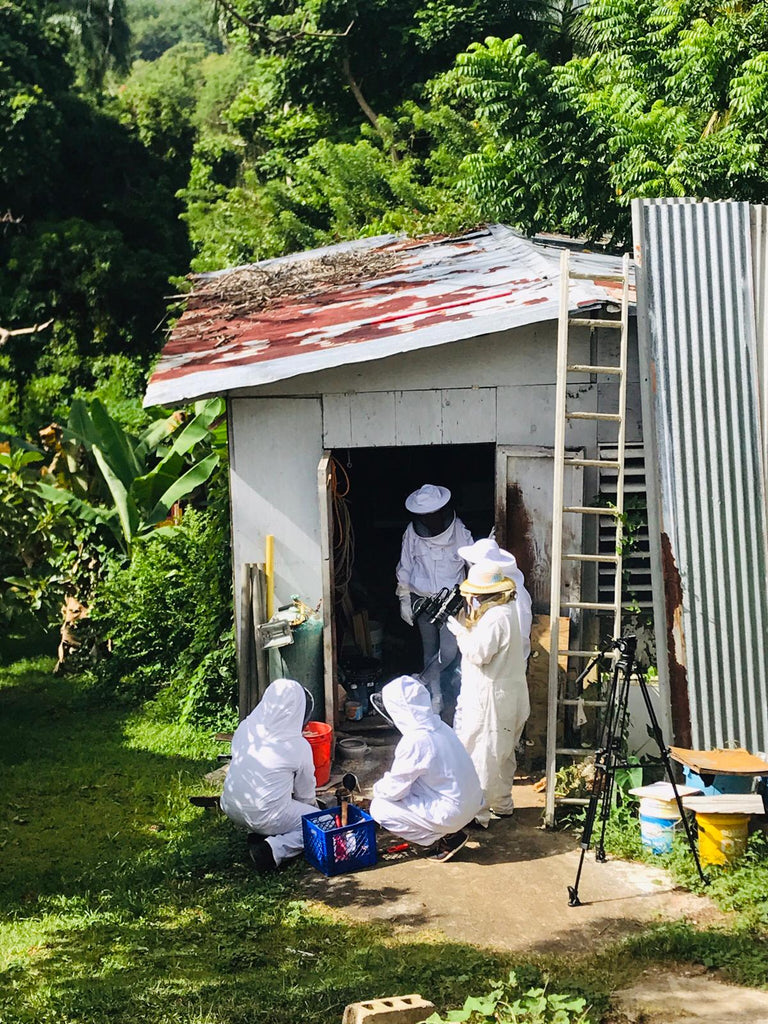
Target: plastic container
x: 722, y: 837
x: 657, y: 825
x: 320, y: 738
x: 659, y: 814
x: 720, y: 784
x: 335, y: 849
x: 376, y: 633
x: 353, y: 710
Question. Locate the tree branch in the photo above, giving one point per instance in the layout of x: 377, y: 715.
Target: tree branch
x: 365, y: 106
x: 5, y: 334
x: 277, y: 36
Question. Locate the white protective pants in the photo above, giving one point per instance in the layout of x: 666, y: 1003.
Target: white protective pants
x: 401, y: 821
x: 285, y: 835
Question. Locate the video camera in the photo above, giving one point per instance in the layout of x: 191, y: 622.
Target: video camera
x: 437, y: 607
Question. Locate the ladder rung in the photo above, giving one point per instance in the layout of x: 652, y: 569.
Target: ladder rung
x: 581, y: 801
x: 575, y: 321
x: 593, y: 605
x: 576, y: 751
x: 583, y: 654
x: 587, y: 368
x: 614, y: 417
x: 601, y: 463
x: 574, y: 556
x: 582, y: 275
x: 586, y: 703
x: 594, y: 510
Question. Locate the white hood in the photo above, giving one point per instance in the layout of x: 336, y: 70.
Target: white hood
x: 280, y: 713
x: 409, y: 705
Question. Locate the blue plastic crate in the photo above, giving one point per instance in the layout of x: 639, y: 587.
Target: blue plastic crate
x: 333, y: 849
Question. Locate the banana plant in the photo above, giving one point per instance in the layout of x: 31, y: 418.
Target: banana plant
x: 144, y: 476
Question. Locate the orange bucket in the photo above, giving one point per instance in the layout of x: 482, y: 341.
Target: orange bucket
x: 320, y: 738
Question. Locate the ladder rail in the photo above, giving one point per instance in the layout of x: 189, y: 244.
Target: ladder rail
x: 557, y: 532
x: 562, y: 417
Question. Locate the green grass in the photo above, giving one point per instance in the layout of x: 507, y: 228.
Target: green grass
x: 121, y: 902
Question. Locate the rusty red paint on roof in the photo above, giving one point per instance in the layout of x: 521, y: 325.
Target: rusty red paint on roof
x: 441, y: 290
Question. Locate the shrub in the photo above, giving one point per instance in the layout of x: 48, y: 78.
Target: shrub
x: 167, y: 619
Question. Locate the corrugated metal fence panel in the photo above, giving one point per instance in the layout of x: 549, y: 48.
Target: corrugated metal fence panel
x: 710, y: 558
x: 759, y: 225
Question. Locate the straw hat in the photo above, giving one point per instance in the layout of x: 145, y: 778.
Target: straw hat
x: 426, y: 499
x: 486, y: 578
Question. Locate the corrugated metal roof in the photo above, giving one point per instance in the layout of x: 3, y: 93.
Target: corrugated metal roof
x: 433, y: 291
x: 701, y: 348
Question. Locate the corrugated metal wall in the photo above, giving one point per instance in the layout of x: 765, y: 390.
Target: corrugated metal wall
x: 702, y: 358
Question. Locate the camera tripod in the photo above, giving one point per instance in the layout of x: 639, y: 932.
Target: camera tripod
x: 609, y: 756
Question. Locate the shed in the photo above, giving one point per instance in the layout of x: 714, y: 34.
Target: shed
x: 357, y: 372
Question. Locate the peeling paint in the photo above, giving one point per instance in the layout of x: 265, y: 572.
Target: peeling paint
x: 678, y: 673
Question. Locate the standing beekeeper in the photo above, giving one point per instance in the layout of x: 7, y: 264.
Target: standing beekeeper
x: 493, y: 704
x: 431, y: 791
x: 430, y: 561
x: 486, y: 549
x: 270, y: 783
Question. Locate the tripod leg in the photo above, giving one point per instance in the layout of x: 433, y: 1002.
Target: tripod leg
x: 664, y: 753
x: 618, y: 727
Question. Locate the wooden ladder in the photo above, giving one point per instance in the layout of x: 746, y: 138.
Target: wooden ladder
x: 558, y: 701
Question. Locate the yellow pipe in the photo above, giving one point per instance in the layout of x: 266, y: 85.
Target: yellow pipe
x: 269, y: 574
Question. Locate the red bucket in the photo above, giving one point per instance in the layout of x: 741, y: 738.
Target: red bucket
x: 320, y: 737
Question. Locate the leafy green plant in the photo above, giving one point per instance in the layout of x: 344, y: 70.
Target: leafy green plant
x: 143, y: 476
x: 167, y: 618
x: 511, y: 1002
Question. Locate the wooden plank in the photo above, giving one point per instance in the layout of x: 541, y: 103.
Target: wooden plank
x: 725, y: 803
x: 361, y: 631
x: 372, y: 415
x: 244, y: 642
x: 418, y: 417
x: 261, y: 678
x: 469, y: 415
x: 325, y: 500
x: 337, y: 422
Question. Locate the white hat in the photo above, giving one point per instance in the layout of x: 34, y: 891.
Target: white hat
x: 428, y: 498
x: 487, y: 550
x: 487, y: 578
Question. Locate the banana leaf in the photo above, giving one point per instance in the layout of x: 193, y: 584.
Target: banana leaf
x: 193, y: 478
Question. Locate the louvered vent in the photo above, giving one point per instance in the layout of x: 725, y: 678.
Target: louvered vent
x: 637, y: 560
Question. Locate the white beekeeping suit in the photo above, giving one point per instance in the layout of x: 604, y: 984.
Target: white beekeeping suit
x: 270, y: 783
x: 493, y: 704
x: 432, y: 789
x: 429, y: 561
x: 486, y: 549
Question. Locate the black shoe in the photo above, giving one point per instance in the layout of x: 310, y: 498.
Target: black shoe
x: 449, y: 846
x: 261, y: 854
x: 205, y: 801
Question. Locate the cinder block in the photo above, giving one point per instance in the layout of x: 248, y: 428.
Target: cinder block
x: 393, y: 1010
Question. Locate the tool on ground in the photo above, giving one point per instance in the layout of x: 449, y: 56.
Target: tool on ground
x: 437, y: 607
x: 609, y: 756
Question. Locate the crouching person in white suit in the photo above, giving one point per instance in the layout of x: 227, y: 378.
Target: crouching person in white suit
x: 271, y: 779
x: 431, y: 791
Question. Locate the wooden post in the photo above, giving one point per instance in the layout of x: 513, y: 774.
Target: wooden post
x: 244, y: 642
x: 258, y: 617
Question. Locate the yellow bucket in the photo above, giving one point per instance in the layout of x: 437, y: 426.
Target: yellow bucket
x: 722, y: 837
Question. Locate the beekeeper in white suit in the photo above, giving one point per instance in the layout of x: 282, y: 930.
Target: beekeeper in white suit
x: 431, y: 791
x: 270, y: 783
x: 487, y: 550
x: 429, y: 561
x: 493, y: 704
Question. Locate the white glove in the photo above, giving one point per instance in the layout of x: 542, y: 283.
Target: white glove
x: 406, y: 612
x: 454, y: 625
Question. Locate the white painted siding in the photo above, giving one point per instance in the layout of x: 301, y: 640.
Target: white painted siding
x: 275, y: 449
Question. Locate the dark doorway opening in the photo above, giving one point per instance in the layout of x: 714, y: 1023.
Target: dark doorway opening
x: 380, y: 479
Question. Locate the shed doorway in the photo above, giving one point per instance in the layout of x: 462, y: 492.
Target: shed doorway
x: 369, y: 518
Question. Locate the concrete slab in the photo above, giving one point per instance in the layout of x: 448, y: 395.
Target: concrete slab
x: 508, y: 889
x: 664, y: 998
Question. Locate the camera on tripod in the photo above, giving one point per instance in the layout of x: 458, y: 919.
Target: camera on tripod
x: 438, y: 607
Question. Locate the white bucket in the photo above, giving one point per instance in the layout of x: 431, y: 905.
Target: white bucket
x: 657, y: 824
x: 376, y: 633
